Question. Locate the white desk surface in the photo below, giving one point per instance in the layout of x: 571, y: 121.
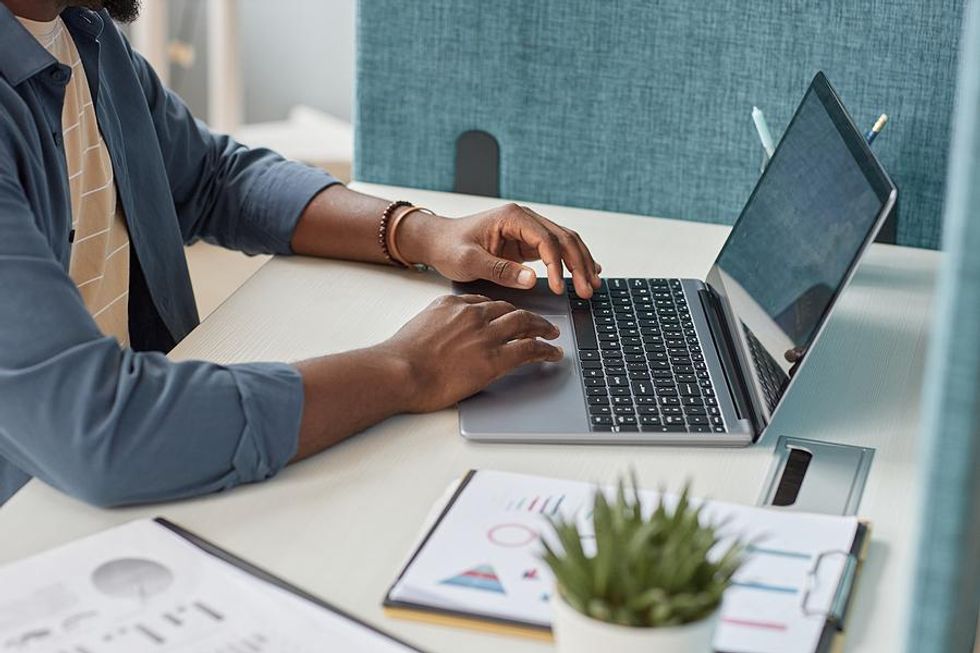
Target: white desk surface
x: 341, y: 523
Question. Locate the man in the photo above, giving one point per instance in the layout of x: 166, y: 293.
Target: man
x: 104, y: 176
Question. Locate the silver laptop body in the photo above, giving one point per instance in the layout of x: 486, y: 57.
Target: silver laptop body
x: 704, y: 362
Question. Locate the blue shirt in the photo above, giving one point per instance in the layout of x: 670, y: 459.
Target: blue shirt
x: 110, y: 425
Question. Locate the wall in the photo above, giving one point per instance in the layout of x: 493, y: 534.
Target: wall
x: 294, y: 52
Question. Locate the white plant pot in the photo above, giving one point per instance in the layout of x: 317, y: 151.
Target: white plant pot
x: 577, y: 633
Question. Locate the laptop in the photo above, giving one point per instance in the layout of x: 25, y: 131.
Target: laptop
x: 704, y: 362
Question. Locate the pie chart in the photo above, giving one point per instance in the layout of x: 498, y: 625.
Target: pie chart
x: 132, y: 578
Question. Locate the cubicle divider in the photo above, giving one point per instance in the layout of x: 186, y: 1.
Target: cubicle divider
x: 945, y: 603
x: 644, y: 107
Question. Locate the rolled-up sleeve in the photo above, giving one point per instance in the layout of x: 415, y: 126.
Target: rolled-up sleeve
x: 248, y: 199
x: 113, y: 426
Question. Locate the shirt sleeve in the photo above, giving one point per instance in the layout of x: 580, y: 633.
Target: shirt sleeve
x: 109, y: 425
x: 226, y: 193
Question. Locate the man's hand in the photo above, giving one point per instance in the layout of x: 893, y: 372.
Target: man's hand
x: 451, y: 350
x: 493, y: 244
x: 459, y: 345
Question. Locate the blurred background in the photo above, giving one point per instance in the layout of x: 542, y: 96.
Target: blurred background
x: 229, y: 61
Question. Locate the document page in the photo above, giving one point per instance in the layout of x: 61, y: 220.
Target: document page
x: 141, y: 587
x: 483, y: 559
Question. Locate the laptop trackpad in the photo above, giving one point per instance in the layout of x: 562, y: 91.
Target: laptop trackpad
x: 537, y: 398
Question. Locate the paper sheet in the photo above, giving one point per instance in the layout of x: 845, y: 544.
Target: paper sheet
x: 141, y: 587
x: 484, y: 560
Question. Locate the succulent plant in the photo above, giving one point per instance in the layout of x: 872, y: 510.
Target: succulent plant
x: 646, y: 571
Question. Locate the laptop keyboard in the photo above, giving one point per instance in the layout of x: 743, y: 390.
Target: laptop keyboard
x: 771, y: 377
x: 642, y: 364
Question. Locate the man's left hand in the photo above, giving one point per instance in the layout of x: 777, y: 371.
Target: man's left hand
x: 492, y: 245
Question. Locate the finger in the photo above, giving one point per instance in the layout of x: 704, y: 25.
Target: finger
x: 505, y: 272
x: 520, y: 324
x: 591, y: 276
x: 594, y: 269
x: 577, y: 261
x: 533, y: 233
x: 528, y: 350
x: 495, y: 309
x: 472, y: 298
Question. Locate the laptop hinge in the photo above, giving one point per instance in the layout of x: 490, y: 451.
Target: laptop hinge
x: 734, y: 374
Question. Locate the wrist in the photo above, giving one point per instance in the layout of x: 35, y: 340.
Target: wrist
x: 402, y: 387
x: 417, y: 237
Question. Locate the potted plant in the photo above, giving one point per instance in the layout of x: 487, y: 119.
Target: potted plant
x: 654, y: 583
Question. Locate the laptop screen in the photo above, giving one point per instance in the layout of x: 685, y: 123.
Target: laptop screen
x: 801, y: 232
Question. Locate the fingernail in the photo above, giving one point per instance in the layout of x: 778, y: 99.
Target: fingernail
x: 561, y: 352
x: 525, y: 277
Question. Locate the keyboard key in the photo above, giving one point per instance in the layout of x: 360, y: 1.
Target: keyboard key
x: 588, y: 355
x: 639, y: 375
x: 599, y: 401
x: 650, y: 420
x: 616, y: 381
x: 594, y: 391
x: 627, y: 410
x: 595, y: 383
x: 622, y: 401
x: 627, y: 428
x: 600, y: 410
x: 697, y: 420
x: 591, y: 365
x: 694, y: 410
x: 619, y: 391
x: 673, y: 420
x: 647, y: 410
x: 642, y: 389
x: 584, y: 331
x: 593, y: 374
x: 602, y: 420
x: 625, y: 419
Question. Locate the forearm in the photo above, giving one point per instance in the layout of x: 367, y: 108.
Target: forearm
x: 343, y: 224
x: 346, y: 393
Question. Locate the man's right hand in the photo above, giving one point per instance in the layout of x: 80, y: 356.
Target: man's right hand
x: 460, y: 344
x: 451, y: 350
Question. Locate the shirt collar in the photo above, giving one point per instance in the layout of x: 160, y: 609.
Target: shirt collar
x: 22, y: 57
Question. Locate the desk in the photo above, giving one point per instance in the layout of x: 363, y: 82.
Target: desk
x: 341, y: 524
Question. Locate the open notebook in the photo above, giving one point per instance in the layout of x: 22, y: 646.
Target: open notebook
x: 479, y: 565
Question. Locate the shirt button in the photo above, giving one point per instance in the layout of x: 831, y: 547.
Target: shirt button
x: 59, y: 75
x: 57, y: 138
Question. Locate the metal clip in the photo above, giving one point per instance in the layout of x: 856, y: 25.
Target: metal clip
x: 842, y: 592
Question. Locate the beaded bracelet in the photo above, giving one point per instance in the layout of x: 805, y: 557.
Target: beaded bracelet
x: 383, y: 230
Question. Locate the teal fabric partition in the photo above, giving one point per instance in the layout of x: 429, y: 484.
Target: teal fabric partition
x: 946, y: 599
x: 643, y: 106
